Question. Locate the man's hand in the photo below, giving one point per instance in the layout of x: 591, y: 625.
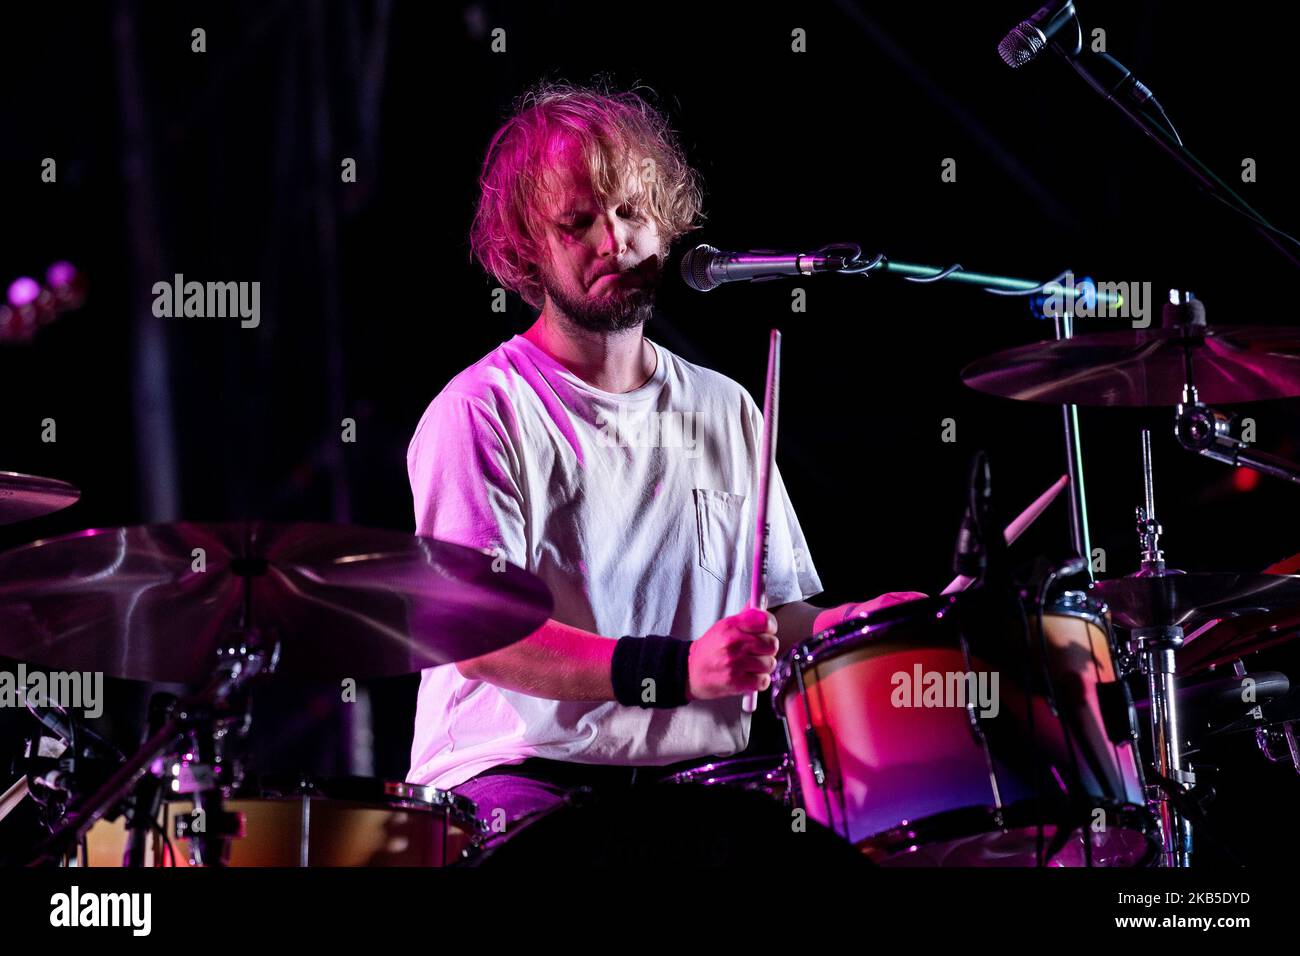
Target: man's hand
x: 733, y: 657
x: 888, y: 599
x: 834, y: 615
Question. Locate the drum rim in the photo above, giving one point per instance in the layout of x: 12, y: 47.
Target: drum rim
x: 951, y: 825
x: 762, y: 766
x: 401, y: 793
x: 379, y: 792
x: 830, y: 641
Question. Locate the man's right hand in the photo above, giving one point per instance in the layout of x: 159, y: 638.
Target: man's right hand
x: 733, y: 657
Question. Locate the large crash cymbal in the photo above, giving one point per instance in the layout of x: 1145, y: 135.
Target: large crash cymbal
x: 1194, y: 598
x: 27, y: 496
x: 1146, y: 367
x: 154, y: 602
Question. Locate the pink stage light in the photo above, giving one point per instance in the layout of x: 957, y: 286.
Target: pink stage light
x: 23, y: 291
x: 60, y: 274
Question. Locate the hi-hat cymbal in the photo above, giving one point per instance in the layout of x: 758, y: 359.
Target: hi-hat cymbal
x: 1226, y: 638
x: 1183, y: 599
x: 28, y: 496
x: 1147, y: 367
x: 155, y: 602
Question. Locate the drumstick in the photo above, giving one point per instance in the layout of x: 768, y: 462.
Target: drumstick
x: 771, y: 405
x: 12, y: 797
x: 1014, y: 530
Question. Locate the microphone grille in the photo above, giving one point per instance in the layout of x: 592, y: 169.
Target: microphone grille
x: 695, y: 268
x: 1021, y: 45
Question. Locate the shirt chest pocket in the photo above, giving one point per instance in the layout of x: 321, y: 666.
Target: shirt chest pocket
x: 720, y: 522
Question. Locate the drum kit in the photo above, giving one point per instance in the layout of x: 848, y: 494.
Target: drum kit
x: 216, y: 606
x: 1010, y: 724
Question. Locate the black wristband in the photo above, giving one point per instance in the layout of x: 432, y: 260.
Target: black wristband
x: 650, y: 671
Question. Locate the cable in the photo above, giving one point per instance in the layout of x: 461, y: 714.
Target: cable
x: 1034, y: 291
x: 938, y: 276
x: 854, y: 267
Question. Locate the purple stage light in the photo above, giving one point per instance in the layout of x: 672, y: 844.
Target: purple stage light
x: 23, y: 291
x: 60, y: 274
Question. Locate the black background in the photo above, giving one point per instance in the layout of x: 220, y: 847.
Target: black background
x: 370, y: 302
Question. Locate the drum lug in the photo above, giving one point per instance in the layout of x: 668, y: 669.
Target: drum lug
x: 815, y: 761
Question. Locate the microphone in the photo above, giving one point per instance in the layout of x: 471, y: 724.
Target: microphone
x: 1030, y: 37
x: 977, y: 540
x: 705, y: 268
x: 1105, y: 74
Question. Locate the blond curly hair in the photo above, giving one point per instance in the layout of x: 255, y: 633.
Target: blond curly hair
x: 614, y: 133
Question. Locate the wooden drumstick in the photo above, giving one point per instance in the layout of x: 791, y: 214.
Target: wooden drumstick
x: 771, y: 406
x: 1014, y: 530
x: 12, y: 797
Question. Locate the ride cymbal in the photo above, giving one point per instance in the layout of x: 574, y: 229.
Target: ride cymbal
x: 1146, y: 367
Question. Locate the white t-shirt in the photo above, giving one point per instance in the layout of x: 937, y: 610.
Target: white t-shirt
x: 634, y: 509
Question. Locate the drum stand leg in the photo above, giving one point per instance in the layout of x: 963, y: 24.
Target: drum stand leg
x: 1154, y: 648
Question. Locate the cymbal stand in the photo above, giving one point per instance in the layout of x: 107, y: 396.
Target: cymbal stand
x: 185, y: 736
x: 1197, y: 426
x: 1154, y: 647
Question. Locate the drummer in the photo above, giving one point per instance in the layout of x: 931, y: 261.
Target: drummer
x: 619, y: 473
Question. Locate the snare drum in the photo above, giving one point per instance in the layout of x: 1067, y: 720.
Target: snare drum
x: 352, y: 821
x: 955, y: 731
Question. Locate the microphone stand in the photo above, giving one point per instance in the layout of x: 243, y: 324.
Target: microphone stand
x: 1079, y: 536
x: 846, y: 258
x: 1007, y: 285
x: 1110, y: 78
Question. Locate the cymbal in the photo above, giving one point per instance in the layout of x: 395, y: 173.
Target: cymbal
x: 1213, y: 706
x: 1194, y: 598
x: 1146, y: 367
x: 27, y: 496
x: 1226, y: 639
x: 155, y: 602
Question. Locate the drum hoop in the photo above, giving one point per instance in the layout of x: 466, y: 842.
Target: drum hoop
x: 833, y: 640
x: 416, y: 794
x: 759, y: 768
x: 969, y: 822
x: 374, y: 792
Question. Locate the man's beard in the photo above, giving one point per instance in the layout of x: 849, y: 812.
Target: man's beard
x: 611, y: 313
